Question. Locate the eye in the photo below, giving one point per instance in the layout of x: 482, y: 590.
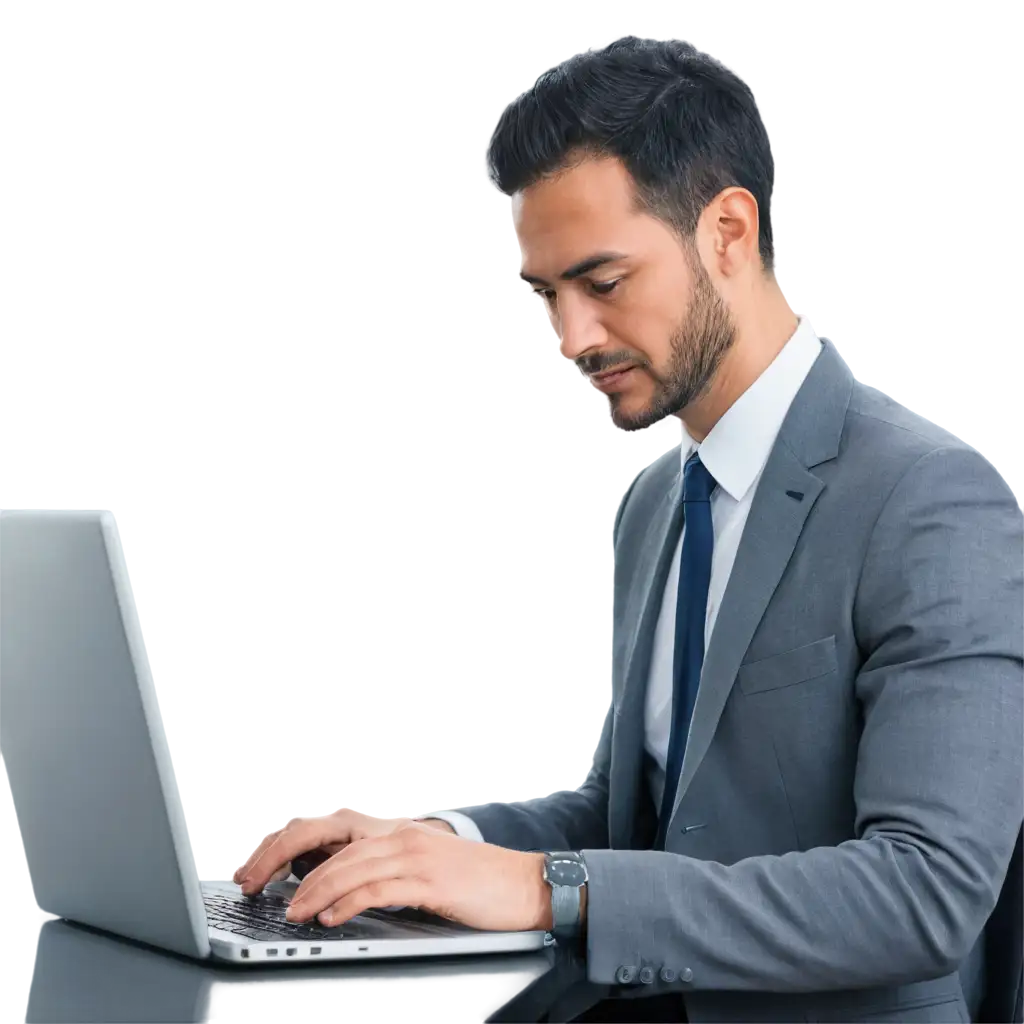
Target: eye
x: 601, y: 288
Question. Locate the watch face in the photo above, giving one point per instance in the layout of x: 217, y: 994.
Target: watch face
x: 565, y: 872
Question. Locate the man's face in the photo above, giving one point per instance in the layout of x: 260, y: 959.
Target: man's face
x: 663, y: 315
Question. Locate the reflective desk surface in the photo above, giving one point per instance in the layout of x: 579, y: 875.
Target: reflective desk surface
x: 58, y: 973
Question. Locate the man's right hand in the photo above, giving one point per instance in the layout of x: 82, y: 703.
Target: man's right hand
x: 306, y: 842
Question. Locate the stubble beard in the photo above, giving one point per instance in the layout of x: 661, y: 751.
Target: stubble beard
x: 697, y: 349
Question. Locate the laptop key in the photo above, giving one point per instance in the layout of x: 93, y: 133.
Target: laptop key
x: 263, y: 918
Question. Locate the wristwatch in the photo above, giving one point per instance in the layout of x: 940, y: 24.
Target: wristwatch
x: 566, y: 873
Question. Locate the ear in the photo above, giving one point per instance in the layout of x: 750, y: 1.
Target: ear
x: 727, y: 232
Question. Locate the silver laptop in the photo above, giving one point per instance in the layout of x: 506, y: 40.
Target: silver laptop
x: 93, y: 786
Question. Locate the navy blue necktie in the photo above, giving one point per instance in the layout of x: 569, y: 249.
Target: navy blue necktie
x: 691, y: 614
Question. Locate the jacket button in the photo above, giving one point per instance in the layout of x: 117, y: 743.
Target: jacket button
x: 625, y: 975
x: 646, y: 975
x: 686, y: 974
x: 667, y: 974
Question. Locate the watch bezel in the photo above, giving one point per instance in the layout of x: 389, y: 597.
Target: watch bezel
x: 565, y: 869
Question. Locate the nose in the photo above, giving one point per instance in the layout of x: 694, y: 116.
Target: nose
x: 579, y: 328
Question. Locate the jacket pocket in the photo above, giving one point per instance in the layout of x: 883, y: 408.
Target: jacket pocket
x: 790, y: 667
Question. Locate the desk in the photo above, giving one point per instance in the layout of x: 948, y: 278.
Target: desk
x: 58, y: 973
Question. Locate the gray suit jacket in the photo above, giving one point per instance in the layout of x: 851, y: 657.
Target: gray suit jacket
x: 853, y: 783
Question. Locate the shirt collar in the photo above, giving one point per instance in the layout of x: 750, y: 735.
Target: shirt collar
x: 738, y: 445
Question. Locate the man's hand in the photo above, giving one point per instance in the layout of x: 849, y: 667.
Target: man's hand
x: 305, y: 843
x: 416, y: 865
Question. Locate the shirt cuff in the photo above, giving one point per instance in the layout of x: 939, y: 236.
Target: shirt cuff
x: 464, y: 826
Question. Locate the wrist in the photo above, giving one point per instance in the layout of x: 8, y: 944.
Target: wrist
x: 565, y: 877
x: 543, y: 919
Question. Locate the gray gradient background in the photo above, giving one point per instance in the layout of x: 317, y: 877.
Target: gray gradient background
x: 254, y: 292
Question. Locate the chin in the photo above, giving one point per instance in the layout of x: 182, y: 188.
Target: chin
x: 643, y: 412
x: 637, y: 419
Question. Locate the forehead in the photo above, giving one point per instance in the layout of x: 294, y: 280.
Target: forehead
x: 588, y: 205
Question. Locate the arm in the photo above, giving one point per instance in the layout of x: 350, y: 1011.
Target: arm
x: 938, y: 785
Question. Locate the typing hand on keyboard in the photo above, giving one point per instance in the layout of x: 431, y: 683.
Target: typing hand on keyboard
x: 477, y: 884
x: 305, y: 843
x: 370, y: 863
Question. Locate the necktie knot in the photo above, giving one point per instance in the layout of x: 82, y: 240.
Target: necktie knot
x: 698, y: 483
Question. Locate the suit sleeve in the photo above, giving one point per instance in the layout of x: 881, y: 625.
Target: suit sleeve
x: 566, y: 820
x: 939, y: 784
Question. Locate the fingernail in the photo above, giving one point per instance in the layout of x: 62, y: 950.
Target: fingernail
x: 326, y: 917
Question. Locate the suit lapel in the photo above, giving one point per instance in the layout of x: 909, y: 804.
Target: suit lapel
x: 809, y: 435
x: 771, y: 533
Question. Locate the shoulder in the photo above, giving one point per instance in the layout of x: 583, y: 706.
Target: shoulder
x: 893, y: 449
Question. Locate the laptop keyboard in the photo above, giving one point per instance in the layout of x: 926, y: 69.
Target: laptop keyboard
x: 261, y: 917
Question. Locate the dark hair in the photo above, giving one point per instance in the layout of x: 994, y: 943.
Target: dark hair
x: 684, y: 126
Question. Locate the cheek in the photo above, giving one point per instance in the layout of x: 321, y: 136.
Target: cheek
x: 648, y: 324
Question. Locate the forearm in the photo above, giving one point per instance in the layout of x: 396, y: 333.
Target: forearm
x: 569, y: 820
x: 868, y: 912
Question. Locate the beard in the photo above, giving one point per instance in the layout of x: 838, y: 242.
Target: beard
x: 697, y: 348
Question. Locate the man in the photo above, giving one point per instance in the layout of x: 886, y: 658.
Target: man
x: 809, y: 782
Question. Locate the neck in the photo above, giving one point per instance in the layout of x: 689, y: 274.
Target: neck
x: 758, y: 341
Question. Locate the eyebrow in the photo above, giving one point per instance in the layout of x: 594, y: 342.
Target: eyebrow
x: 583, y: 267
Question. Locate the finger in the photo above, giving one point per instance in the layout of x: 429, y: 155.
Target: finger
x: 404, y: 892
x: 320, y: 887
x: 377, y: 846
x: 280, y: 876
x: 244, y: 869
x: 263, y: 840
x: 298, y: 837
x: 241, y: 868
x: 346, y: 878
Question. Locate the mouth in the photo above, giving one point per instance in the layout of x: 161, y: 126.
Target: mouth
x: 612, y: 378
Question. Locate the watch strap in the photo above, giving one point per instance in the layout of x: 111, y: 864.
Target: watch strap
x: 565, y: 900
x: 565, y: 911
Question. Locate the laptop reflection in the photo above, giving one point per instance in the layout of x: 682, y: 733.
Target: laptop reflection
x: 86, y: 976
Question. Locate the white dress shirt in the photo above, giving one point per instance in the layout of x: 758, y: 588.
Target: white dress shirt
x: 734, y: 453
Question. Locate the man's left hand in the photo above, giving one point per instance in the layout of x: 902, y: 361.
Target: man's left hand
x: 474, y: 883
